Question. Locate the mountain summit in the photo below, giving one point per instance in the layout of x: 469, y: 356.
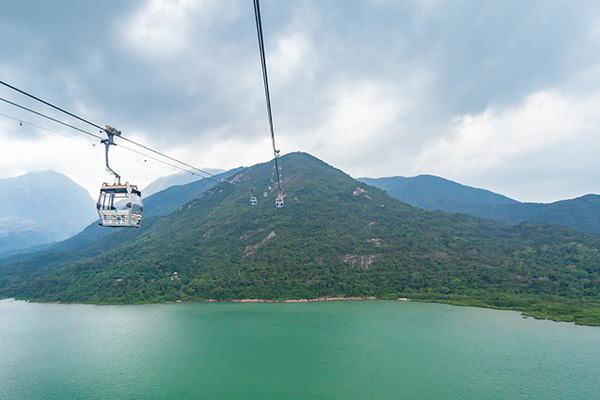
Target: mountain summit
x: 335, y: 237
x: 42, y: 207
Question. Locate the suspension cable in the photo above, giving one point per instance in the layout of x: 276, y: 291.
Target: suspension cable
x: 50, y: 105
x: 96, y: 136
x: 25, y: 122
x: 50, y: 118
x: 208, y: 174
x: 263, y: 62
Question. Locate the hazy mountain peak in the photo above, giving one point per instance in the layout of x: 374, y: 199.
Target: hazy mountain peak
x: 40, y: 207
x: 180, y: 178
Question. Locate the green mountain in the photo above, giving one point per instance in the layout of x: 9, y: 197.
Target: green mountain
x: 434, y: 193
x: 582, y: 212
x: 335, y: 237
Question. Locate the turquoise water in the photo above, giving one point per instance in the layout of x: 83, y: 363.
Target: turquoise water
x: 327, y: 350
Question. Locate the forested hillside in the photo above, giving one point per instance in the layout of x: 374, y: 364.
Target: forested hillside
x: 335, y: 237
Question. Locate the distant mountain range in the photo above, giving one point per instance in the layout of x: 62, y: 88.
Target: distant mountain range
x: 161, y: 203
x: 42, y: 207
x: 25, y: 224
x: 181, y: 178
x: 169, y: 199
x: 335, y: 237
x: 434, y: 193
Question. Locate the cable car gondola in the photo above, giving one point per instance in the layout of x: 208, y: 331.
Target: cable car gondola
x: 252, y: 198
x: 279, y: 201
x: 118, y: 205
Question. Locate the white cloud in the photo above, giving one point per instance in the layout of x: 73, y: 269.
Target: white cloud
x: 358, y: 116
x: 65, y: 153
x: 377, y: 88
x: 167, y: 28
x: 545, y: 135
x: 367, y: 127
x: 490, y: 138
x: 291, y: 56
x: 161, y: 29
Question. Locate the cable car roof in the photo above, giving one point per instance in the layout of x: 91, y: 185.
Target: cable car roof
x: 106, y: 188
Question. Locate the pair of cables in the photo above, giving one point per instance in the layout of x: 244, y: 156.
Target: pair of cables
x: 257, y: 15
x: 263, y: 61
x: 191, y: 169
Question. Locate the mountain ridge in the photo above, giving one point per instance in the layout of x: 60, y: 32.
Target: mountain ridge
x: 335, y: 237
x: 178, y: 179
x: 434, y: 193
x: 431, y: 192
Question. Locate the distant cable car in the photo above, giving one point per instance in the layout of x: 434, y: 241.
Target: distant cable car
x: 118, y: 205
x: 279, y: 201
x: 253, y: 200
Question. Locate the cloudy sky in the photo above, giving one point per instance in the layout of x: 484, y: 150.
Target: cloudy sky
x: 503, y: 95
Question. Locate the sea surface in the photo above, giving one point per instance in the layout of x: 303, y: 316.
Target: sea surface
x: 322, y: 350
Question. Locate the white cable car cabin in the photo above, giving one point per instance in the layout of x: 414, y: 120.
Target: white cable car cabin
x: 120, y: 205
x: 279, y: 201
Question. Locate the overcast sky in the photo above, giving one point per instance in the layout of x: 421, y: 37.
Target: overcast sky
x: 503, y: 95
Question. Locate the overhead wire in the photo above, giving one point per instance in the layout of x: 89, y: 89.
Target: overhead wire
x: 25, y: 122
x: 50, y: 105
x: 50, y: 118
x: 178, y: 161
x: 263, y: 62
x: 93, y: 135
x: 207, y: 174
x: 214, y: 177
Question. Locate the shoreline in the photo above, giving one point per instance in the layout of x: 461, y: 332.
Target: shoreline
x: 591, y: 319
x: 318, y: 299
x: 296, y: 300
